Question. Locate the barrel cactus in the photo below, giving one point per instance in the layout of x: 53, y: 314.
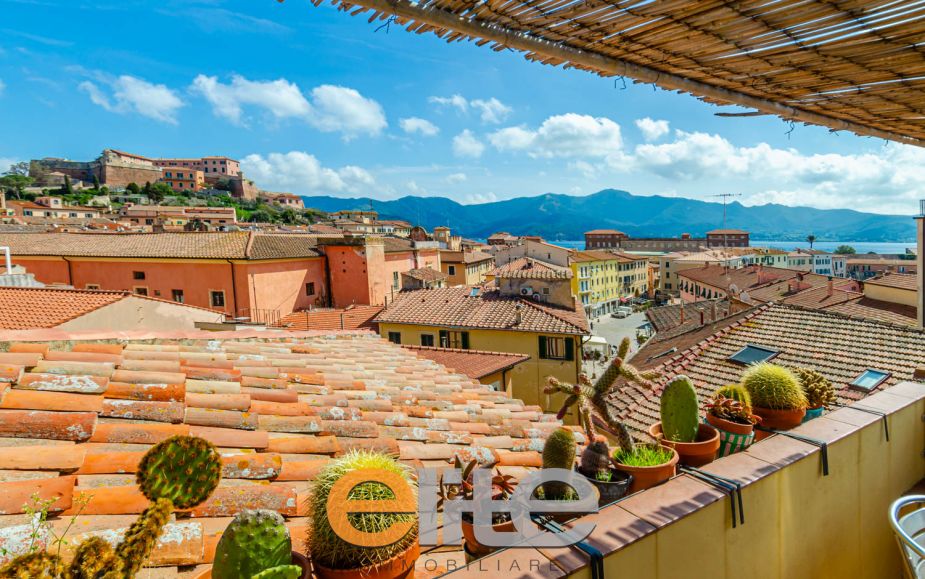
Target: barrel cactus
x: 559, y: 452
x: 736, y: 392
x: 774, y: 387
x: 255, y: 541
x: 330, y: 550
x: 679, y: 410
x: 819, y: 391
x: 595, y: 459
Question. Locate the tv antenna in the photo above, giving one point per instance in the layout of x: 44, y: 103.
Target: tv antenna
x: 726, y: 197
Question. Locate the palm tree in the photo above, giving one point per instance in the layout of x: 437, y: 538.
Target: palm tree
x: 593, y: 409
x: 811, y: 239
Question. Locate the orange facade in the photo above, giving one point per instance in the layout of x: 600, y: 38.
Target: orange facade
x: 233, y: 287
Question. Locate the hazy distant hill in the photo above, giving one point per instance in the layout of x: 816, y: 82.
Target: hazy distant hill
x: 555, y: 216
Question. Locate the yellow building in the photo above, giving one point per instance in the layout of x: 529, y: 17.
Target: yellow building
x: 603, y: 279
x: 466, y: 267
x: 533, y: 316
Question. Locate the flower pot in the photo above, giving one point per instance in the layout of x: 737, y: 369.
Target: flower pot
x: 297, y: 559
x: 477, y: 549
x: 780, y: 419
x: 400, y: 566
x: 612, y: 490
x: 698, y: 453
x: 813, y: 413
x: 645, y: 477
x: 733, y: 436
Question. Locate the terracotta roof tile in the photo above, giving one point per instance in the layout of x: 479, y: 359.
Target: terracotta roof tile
x: 529, y: 268
x: 488, y: 309
x: 475, y: 364
x: 427, y: 274
x: 326, y: 393
x: 838, y: 346
x: 351, y: 318
x: 906, y: 281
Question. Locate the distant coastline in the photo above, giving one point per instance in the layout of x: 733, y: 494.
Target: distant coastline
x: 859, y: 246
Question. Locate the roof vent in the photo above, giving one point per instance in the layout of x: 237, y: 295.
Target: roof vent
x: 921, y: 207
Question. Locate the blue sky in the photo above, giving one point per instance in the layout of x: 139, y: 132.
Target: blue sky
x: 317, y: 102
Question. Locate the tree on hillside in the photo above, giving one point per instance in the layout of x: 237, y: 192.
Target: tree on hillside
x: 811, y: 239
x: 21, y: 168
x: 845, y: 250
x: 67, y: 188
x: 14, y: 184
x: 133, y: 189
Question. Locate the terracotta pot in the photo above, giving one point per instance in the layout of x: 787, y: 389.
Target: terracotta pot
x: 813, y: 413
x: 698, y: 453
x: 400, y: 566
x: 780, y: 419
x: 645, y: 477
x: 474, y: 547
x: 730, y: 426
x: 297, y: 559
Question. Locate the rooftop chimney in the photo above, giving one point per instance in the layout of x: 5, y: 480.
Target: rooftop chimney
x: 682, y: 311
x: 920, y: 262
x: 713, y: 310
x: 518, y: 315
x: 830, y: 286
x: 701, y: 316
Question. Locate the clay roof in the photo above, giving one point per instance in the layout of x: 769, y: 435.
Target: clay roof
x: 593, y: 255
x: 905, y: 281
x: 475, y: 364
x: 186, y: 245
x: 668, y: 318
x: 819, y: 298
x: 721, y: 277
x: 838, y: 346
x: 604, y: 232
x: 74, y: 424
x: 23, y: 308
x: 351, y: 318
x: 529, y: 268
x: 864, y: 307
x: 476, y: 256
x: 397, y: 244
x: 726, y: 232
x: 426, y: 274
x: 457, y: 307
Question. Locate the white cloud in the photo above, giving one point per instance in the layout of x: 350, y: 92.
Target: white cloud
x: 2, y: 86
x: 331, y: 109
x: 465, y: 144
x: 302, y: 173
x: 568, y: 135
x: 418, y: 125
x: 490, y: 110
x: 6, y: 163
x: 280, y: 97
x: 134, y: 95
x: 456, y: 178
x: 889, y: 180
x: 652, y: 130
x: 475, y: 198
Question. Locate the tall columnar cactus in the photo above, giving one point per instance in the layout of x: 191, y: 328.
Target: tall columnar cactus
x: 736, y: 392
x: 255, y: 541
x: 774, y: 387
x: 625, y: 439
x: 559, y: 452
x: 326, y: 546
x: 819, y: 391
x: 95, y: 558
x: 591, y: 400
x: 679, y: 410
x: 37, y: 565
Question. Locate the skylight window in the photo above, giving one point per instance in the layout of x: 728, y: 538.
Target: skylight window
x: 475, y: 292
x: 752, y: 354
x: 869, y: 379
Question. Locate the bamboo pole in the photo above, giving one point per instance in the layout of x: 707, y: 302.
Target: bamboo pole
x: 537, y: 49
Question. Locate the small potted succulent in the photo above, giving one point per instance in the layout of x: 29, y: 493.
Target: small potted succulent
x: 730, y: 412
x: 680, y: 427
x: 819, y: 391
x: 256, y: 544
x: 648, y: 464
x: 776, y: 394
x: 502, y: 487
x: 336, y: 558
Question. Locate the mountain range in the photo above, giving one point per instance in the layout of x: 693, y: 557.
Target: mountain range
x: 566, y: 217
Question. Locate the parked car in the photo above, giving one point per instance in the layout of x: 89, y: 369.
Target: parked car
x: 622, y: 312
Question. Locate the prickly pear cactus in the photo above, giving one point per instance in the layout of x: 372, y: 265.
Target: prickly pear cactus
x: 255, y: 541
x: 679, y: 410
x: 38, y: 565
x: 95, y: 558
x: 183, y: 469
x: 281, y: 572
x: 142, y: 536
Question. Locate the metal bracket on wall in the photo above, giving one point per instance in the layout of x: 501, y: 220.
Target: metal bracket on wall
x: 820, y: 444
x: 597, y: 558
x: 882, y: 415
x: 732, y: 488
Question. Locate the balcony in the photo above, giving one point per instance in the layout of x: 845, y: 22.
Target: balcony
x: 797, y: 521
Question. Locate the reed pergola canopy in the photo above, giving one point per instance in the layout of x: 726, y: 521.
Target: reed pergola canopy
x: 855, y: 65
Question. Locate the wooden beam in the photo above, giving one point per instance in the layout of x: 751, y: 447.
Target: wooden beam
x: 523, y: 42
